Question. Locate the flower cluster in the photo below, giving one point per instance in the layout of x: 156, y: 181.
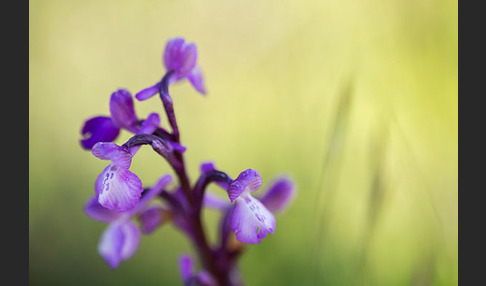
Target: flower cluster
x: 132, y: 210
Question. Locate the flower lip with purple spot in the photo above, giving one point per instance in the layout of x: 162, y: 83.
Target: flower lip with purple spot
x: 117, y: 188
x: 251, y: 220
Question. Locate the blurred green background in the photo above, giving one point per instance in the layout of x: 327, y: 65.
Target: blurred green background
x: 355, y: 100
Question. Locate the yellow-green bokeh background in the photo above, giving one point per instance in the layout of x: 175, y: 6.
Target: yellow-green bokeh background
x: 376, y: 78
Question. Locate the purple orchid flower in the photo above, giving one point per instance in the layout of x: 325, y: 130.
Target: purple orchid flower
x: 179, y: 58
x: 252, y: 217
x: 276, y: 198
x: 106, y: 129
x: 251, y: 220
x: 117, y: 188
x: 121, y: 239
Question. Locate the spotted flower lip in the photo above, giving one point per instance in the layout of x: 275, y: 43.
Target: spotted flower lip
x: 117, y: 188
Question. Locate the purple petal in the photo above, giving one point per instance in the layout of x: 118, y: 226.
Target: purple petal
x: 110, y: 151
x: 215, y: 202
x: 119, y: 190
x: 180, y: 57
x: 122, y: 110
x: 149, y: 125
x: 197, y: 80
x: 154, y: 191
x: 247, y: 181
x: 119, y: 242
x: 98, y: 129
x: 207, y: 167
x: 205, y: 278
x: 279, y: 195
x: 151, y: 218
x: 97, y: 212
x: 186, y: 267
x: 132, y: 239
x: 251, y: 221
x: 111, y: 244
x: 178, y: 147
x: 147, y: 92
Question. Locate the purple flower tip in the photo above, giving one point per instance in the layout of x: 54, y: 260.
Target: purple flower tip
x: 98, y: 129
x: 246, y: 182
x: 186, y: 267
x: 207, y: 167
x: 279, y: 195
x: 122, y: 110
x: 180, y: 57
x: 147, y: 92
x: 119, y: 242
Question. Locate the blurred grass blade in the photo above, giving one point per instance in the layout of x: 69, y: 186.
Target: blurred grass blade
x: 327, y: 184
